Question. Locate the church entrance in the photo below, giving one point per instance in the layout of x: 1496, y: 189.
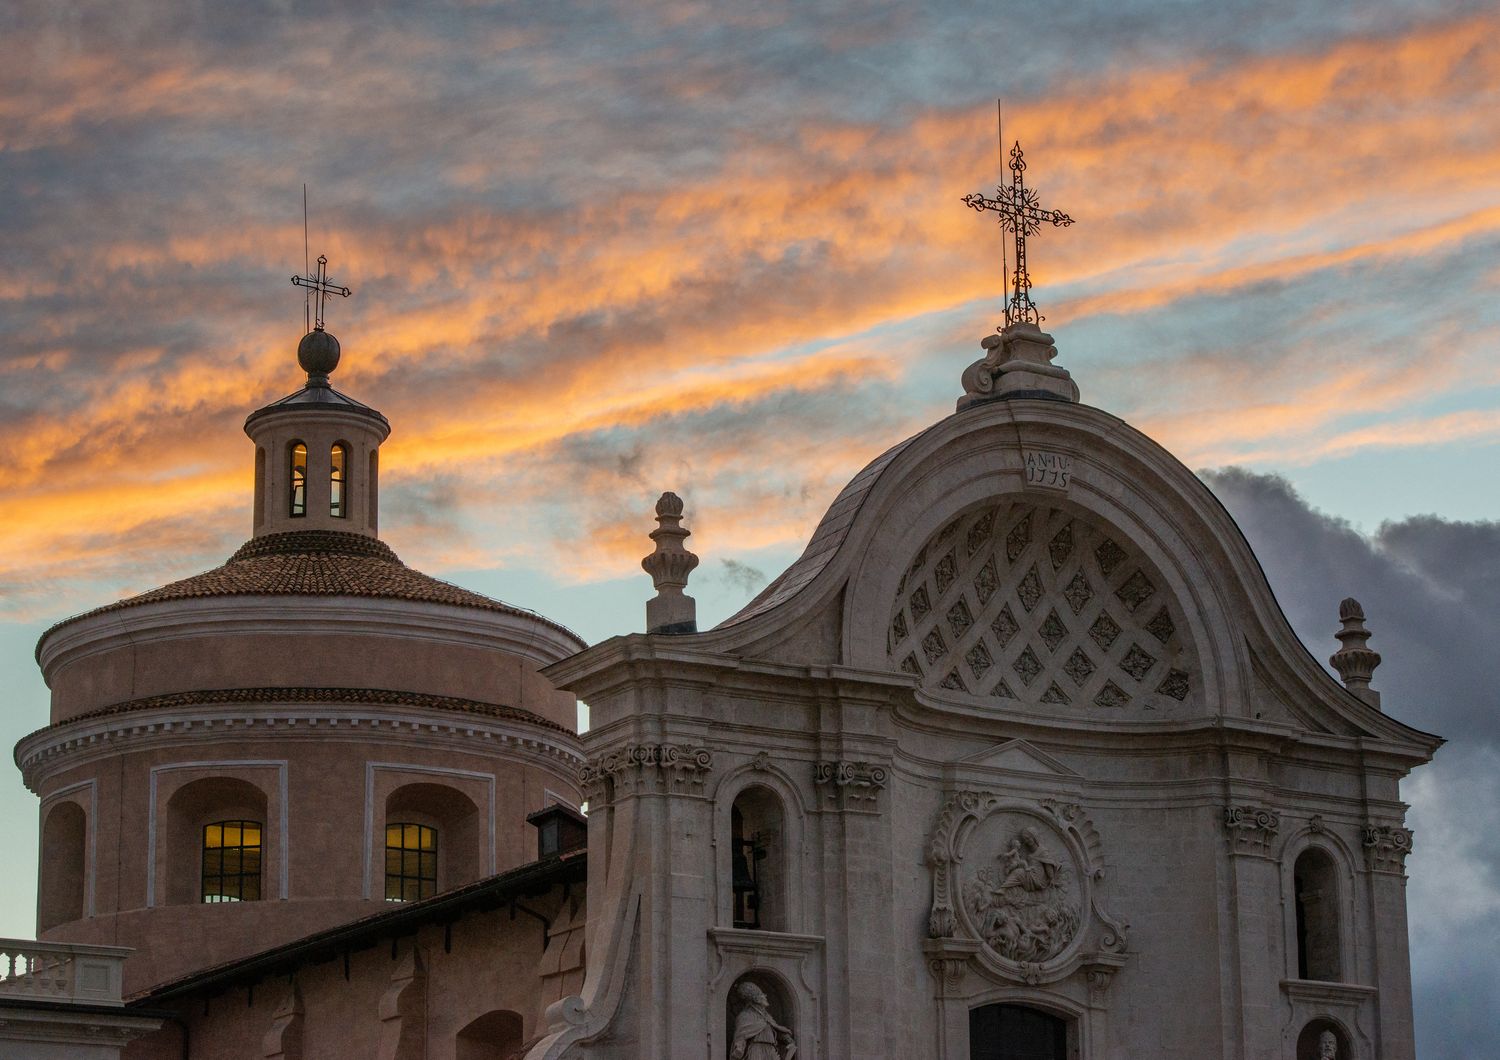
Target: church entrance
x: 1015, y: 1032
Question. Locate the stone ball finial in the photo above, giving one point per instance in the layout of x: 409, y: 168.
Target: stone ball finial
x: 1355, y: 661
x: 318, y: 354
x: 670, y: 610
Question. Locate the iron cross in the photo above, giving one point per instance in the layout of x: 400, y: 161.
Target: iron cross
x: 323, y: 286
x: 1021, y: 215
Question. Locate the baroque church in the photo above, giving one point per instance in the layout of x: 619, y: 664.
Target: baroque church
x: 1019, y: 761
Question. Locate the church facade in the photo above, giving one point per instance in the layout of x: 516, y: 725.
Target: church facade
x: 1019, y: 760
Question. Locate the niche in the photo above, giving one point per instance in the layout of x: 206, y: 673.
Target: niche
x: 1315, y: 882
x: 760, y: 1022
x: 758, y: 861
x: 61, y: 887
x: 1322, y: 1039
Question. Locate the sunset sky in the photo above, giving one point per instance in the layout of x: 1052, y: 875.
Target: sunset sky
x: 602, y: 250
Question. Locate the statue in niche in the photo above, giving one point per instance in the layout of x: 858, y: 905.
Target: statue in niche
x: 1328, y: 1046
x: 757, y: 1036
x: 1025, y: 909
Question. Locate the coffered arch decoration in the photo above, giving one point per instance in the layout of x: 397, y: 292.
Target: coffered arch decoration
x: 1025, y: 603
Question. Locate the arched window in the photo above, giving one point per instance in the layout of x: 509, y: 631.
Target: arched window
x: 198, y: 864
x: 494, y: 1036
x: 411, y: 854
x: 298, y: 505
x: 338, y: 481
x: 231, y: 861
x: 62, y: 883
x: 757, y: 855
x: 1315, y: 881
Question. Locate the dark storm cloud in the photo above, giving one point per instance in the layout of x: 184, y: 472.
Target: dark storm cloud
x: 1431, y: 594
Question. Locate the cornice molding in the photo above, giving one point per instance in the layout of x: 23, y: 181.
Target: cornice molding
x: 71, y: 744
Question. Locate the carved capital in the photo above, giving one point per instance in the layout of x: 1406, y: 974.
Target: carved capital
x: 850, y: 783
x: 1251, y: 829
x: 645, y: 767
x: 1386, y: 847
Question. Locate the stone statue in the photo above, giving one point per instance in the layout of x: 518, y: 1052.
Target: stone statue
x: 1328, y: 1046
x: 756, y: 1035
x: 1026, y: 910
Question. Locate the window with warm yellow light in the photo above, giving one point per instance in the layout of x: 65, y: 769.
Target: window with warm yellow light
x: 338, y: 481
x: 298, y: 479
x: 410, y: 862
x: 231, y: 861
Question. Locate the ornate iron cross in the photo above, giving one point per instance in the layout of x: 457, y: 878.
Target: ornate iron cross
x: 1021, y: 215
x: 321, y: 284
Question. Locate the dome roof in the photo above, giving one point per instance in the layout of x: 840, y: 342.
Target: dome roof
x: 318, y: 563
x: 318, y: 396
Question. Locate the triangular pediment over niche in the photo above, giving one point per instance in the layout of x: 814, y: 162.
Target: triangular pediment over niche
x: 1018, y: 756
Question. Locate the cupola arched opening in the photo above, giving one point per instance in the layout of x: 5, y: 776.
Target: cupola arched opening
x: 1316, y: 887
x: 338, y: 480
x: 62, y: 884
x: 758, y: 870
x: 431, y: 841
x: 297, y: 477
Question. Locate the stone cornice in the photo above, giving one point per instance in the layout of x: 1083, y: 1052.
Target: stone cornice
x: 619, y: 661
x: 73, y: 743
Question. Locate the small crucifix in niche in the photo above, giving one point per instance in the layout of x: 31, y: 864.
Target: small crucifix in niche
x: 1021, y: 214
x: 324, y: 287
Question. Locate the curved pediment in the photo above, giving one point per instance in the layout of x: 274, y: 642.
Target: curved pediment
x: 1033, y: 602
x: 1043, y: 557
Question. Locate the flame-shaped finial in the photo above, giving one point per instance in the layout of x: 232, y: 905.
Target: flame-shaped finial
x: 1355, y: 660
x: 670, y: 610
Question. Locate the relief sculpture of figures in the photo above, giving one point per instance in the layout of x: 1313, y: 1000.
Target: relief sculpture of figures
x: 1025, y: 909
x: 756, y: 1035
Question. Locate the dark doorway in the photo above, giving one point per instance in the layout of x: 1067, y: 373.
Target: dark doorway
x: 1015, y: 1032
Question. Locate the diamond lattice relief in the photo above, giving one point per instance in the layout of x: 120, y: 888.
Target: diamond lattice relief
x: 1022, y: 596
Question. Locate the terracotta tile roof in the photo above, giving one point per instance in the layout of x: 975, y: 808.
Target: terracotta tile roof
x: 317, y: 563
x: 359, y: 696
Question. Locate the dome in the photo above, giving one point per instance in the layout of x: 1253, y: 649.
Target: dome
x: 317, y: 563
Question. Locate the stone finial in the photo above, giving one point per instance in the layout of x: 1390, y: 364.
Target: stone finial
x: 1017, y: 364
x: 670, y: 610
x: 1355, y: 660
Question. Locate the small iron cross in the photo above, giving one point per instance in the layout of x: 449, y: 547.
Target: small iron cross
x: 1020, y: 214
x: 323, y: 286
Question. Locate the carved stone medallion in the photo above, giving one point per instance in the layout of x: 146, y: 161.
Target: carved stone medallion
x: 1020, y: 878
x: 1025, y: 906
